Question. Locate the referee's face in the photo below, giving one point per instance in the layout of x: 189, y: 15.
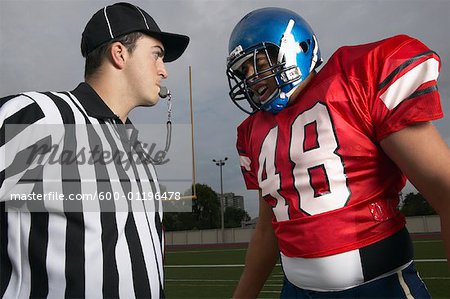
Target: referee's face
x: 145, y: 70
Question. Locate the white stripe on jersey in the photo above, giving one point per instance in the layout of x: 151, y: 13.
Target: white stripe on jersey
x: 409, y: 82
x: 245, y: 162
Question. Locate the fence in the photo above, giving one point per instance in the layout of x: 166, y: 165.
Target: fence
x: 418, y: 224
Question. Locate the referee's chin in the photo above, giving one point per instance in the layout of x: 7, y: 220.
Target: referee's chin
x: 149, y: 103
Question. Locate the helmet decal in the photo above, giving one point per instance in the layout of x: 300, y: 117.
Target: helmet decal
x: 288, y: 51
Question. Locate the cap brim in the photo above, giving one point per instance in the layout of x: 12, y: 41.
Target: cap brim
x: 174, y: 45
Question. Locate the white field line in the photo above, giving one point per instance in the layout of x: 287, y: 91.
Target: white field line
x: 270, y: 280
x: 427, y: 241
x: 220, y: 280
x: 205, y: 280
x: 244, y: 249
x: 202, y: 251
x: 430, y: 260
x: 204, y: 266
x: 242, y: 265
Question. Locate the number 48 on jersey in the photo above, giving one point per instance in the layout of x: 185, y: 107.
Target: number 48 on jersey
x: 318, y: 172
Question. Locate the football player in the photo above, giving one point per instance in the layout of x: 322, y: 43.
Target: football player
x: 329, y: 152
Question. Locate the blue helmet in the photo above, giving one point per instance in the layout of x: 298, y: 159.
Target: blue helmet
x: 290, y: 47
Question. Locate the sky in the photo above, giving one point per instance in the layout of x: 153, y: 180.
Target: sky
x: 40, y: 50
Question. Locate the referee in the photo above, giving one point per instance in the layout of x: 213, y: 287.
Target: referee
x: 59, y: 148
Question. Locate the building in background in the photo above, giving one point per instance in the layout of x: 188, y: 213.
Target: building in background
x: 232, y: 200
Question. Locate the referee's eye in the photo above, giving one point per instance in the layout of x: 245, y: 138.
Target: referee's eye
x: 158, y: 53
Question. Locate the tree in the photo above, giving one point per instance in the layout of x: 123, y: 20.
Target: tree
x: 235, y: 216
x: 416, y: 205
x: 206, y: 208
x: 205, y: 212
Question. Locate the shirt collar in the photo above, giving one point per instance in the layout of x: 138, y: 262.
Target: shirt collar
x: 93, y: 103
x: 96, y: 107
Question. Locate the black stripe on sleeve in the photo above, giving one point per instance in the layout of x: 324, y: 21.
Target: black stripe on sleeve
x: 402, y: 66
x: 16, y: 123
x: 5, y: 100
x: 422, y: 92
x: 26, y: 157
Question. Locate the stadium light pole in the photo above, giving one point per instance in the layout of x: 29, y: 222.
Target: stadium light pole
x: 221, y: 163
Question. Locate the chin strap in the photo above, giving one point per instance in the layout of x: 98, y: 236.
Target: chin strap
x: 278, y: 103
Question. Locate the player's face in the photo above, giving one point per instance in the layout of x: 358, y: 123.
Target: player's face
x: 262, y: 89
x: 146, y: 70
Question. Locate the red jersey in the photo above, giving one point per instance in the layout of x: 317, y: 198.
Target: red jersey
x: 319, y: 163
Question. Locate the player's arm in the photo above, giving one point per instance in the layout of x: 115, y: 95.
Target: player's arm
x: 262, y: 254
x: 424, y: 157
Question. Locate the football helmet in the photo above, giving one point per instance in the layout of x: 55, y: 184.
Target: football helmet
x: 290, y: 47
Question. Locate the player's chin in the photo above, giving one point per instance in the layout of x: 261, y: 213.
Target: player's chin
x: 262, y: 99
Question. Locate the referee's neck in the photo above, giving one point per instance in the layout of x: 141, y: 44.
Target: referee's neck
x: 114, y: 93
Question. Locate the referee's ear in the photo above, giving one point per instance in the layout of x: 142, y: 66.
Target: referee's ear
x: 118, y: 55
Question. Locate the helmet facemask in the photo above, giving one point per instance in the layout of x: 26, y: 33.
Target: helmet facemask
x: 273, y: 72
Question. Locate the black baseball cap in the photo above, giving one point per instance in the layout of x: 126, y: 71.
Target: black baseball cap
x: 122, y: 18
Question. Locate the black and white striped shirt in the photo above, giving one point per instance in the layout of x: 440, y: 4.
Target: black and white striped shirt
x: 67, y: 248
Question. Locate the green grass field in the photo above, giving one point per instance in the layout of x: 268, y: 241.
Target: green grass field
x: 213, y: 273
